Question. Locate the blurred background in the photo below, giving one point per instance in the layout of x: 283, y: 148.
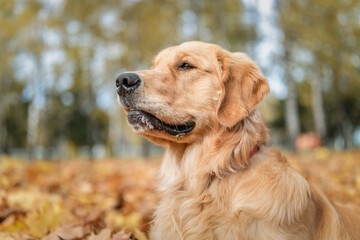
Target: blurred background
x: 59, y: 60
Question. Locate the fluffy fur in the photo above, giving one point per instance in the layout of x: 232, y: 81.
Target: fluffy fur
x: 209, y: 187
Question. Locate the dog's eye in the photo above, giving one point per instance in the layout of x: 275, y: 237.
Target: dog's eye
x: 185, y: 66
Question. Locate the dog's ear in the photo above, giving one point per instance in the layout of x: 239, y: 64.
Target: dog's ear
x: 242, y: 87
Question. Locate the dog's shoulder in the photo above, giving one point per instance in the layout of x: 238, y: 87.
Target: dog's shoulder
x: 271, y: 189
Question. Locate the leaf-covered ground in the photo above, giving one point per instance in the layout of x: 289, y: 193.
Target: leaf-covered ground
x: 114, y: 199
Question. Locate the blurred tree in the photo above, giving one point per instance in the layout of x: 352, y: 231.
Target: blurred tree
x: 13, y: 111
x: 84, y: 122
x: 12, y: 105
x: 289, y: 41
x: 60, y: 58
x: 325, y: 42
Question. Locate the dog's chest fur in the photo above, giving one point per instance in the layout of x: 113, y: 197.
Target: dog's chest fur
x: 237, y: 206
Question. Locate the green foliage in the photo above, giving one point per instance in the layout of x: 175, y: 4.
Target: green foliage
x: 96, y: 41
x: 14, y: 111
x: 329, y: 32
x: 58, y: 59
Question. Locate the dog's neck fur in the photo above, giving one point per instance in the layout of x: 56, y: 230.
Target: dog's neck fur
x: 235, y: 143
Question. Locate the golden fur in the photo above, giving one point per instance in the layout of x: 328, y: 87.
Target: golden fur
x: 209, y: 187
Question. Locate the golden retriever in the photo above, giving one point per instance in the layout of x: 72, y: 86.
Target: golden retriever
x: 217, y: 179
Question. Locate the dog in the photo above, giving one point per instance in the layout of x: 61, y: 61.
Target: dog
x: 217, y: 179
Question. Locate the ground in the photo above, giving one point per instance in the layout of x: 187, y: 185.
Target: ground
x: 113, y: 199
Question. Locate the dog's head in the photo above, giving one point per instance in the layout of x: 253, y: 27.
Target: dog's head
x: 191, y: 89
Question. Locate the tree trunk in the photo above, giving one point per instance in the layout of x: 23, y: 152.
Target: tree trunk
x: 34, y: 110
x: 291, y: 105
x: 318, y: 107
x: 116, y: 131
x: 32, y: 127
x: 345, y: 126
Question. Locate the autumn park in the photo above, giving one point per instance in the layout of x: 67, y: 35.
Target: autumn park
x: 72, y: 168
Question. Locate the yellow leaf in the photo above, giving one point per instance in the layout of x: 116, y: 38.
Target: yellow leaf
x: 44, y: 219
x: 357, y: 181
x: 322, y: 153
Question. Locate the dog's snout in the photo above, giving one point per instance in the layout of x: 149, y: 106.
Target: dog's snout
x: 128, y: 82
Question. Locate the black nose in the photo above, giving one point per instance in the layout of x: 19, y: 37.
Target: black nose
x: 127, y: 82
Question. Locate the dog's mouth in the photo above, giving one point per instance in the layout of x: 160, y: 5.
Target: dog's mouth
x: 144, y: 121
